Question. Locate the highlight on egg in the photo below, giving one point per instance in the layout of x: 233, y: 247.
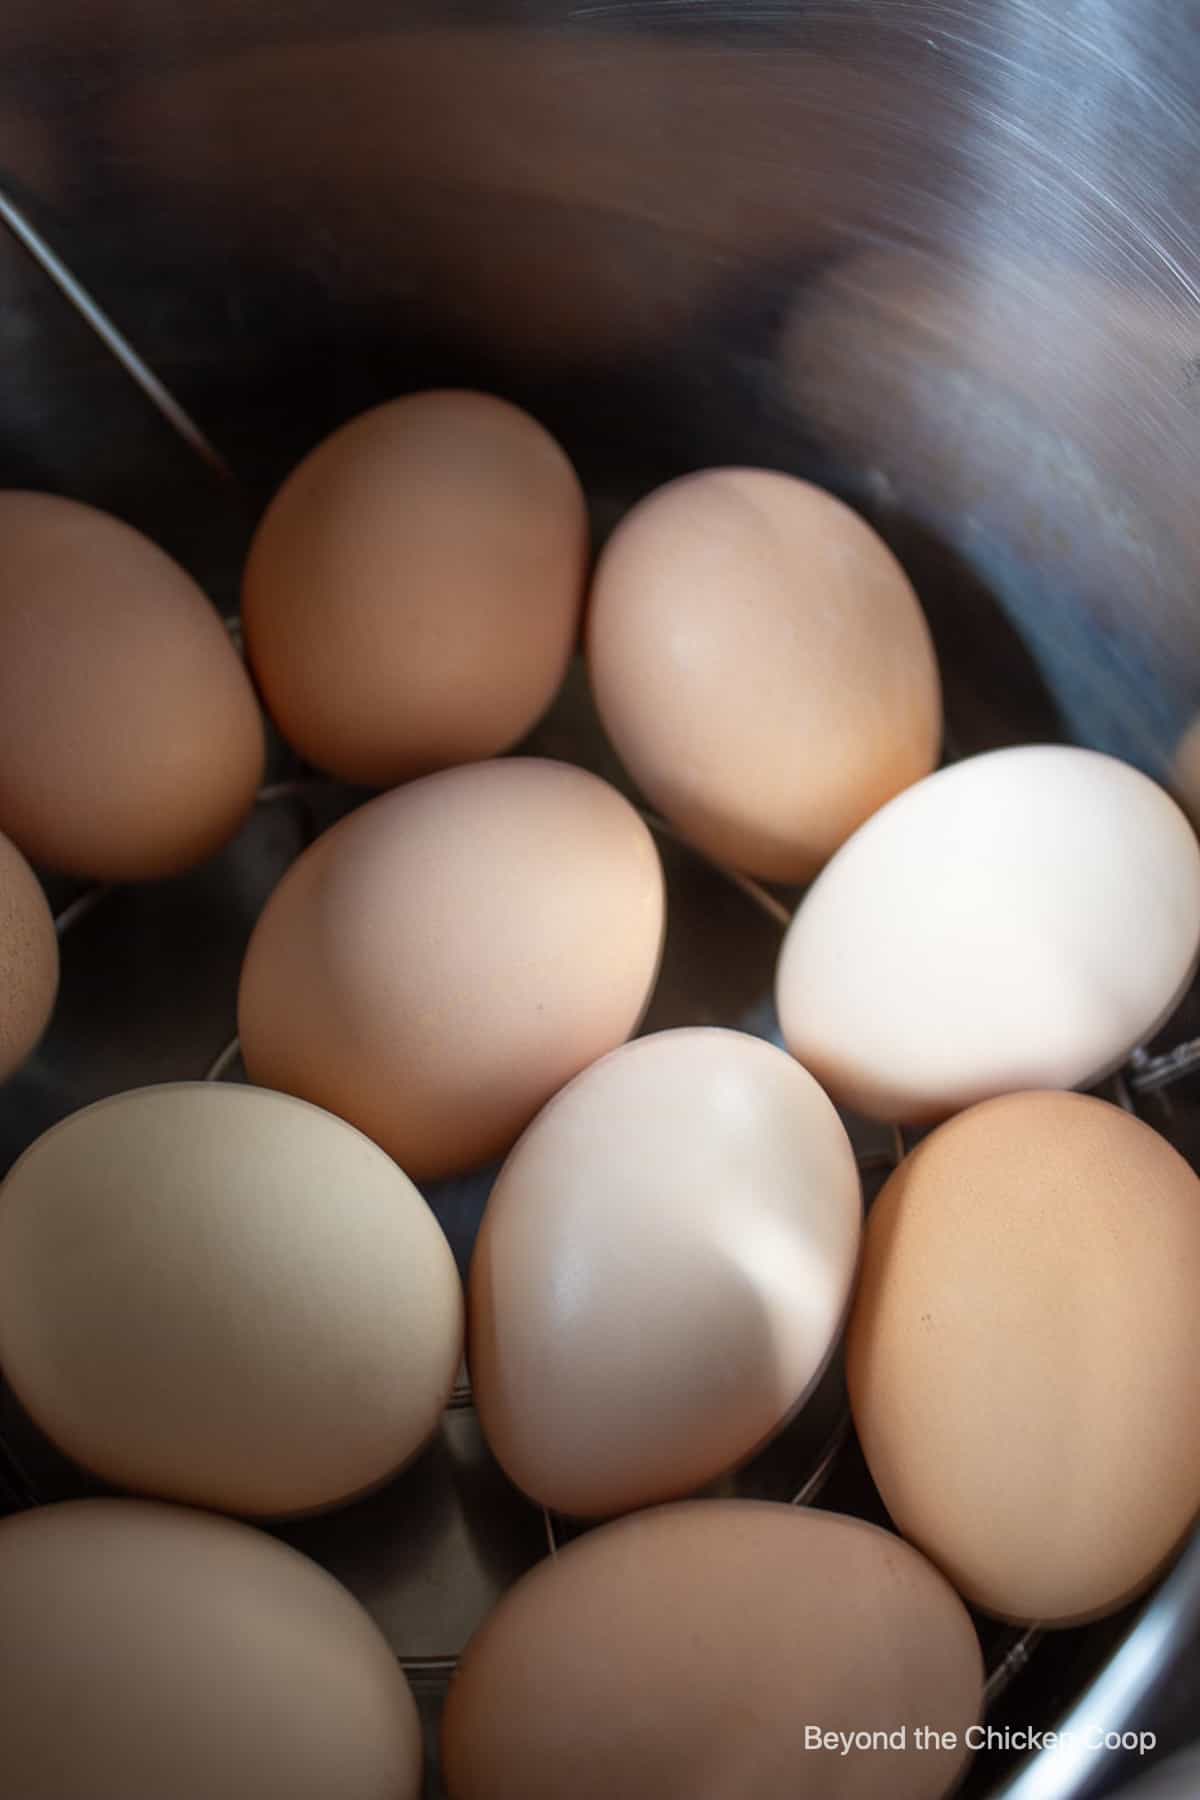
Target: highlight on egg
x: 662, y: 1271
x: 413, y: 592
x: 440, y: 963
x: 762, y: 666
x: 219, y: 1295
x: 131, y: 743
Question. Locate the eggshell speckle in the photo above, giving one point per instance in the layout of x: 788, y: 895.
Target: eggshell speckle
x: 1021, y: 919
x: 131, y: 744
x: 219, y: 1295
x: 762, y: 666
x: 1024, y: 1353
x: 28, y: 959
x: 686, y: 1651
x: 662, y: 1270
x: 413, y: 592
x: 150, y: 1651
x: 442, y: 961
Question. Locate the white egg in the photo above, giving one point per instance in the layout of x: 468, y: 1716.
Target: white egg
x: 1021, y: 919
x: 663, y: 1270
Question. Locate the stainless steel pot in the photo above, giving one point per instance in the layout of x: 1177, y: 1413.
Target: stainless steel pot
x: 941, y: 255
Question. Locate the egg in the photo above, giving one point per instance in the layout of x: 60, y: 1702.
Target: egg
x: 695, y: 1650
x: 762, y: 667
x: 227, y: 1297
x: 1023, y: 1353
x: 662, y: 1271
x: 441, y: 962
x: 28, y: 959
x: 1021, y: 919
x: 131, y: 744
x: 413, y: 593
x: 152, y: 1651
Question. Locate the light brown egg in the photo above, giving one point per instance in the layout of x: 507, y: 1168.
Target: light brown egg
x: 762, y: 667
x: 28, y: 959
x: 688, y: 1653
x: 223, y: 1296
x: 1024, y: 1353
x: 131, y: 743
x: 442, y: 961
x: 412, y: 595
x: 151, y: 1651
x: 662, y: 1272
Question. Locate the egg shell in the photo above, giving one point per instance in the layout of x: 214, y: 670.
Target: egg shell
x: 224, y: 1296
x: 1021, y: 919
x: 442, y: 961
x: 685, y: 1652
x: 413, y: 592
x: 151, y: 1650
x: 762, y: 667
x: 131, y: 744
x: 662, y: 1271
x: 28, y: 959
x: 1024, y: 1353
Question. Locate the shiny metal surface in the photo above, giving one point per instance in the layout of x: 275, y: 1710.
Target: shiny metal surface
x: 942, y: 255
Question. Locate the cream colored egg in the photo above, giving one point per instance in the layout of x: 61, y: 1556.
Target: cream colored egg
x: 28, y: 959
x: 762, y: 666
x: 131, y: 744
x: 662, y: 1271
x: 413, y: 592
x: 1021, y: 919
x: 441, y: 962
x: 690, y: 1651
x: 1024, y: 1350
x: 224, y: 1296
x: 151, y: 1652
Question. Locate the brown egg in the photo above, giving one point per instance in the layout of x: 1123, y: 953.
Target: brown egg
x: 1023, y: 1354
x: 28, y: 959
x: 443, y: 960
x: 413, y: 592
x: 223, y: 1296
x: 663, y: 1270
x: 762, y: 667
x: 705, y: 1650
x: 131, y: 744
x: 151, y: 1651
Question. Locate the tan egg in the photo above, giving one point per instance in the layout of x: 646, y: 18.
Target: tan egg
x: 151, y: 1651
x: 1021, y: 919
x: 412, y: 595
x: 28, y: 959
x: 693, y: 1651
x: 762, y: 667
x: 662, y: 1272
x: 1024, y: 1351
x: 224, y: 1296
x: 131, y: 743
x: 1184, y: 776
x: 442, y: 961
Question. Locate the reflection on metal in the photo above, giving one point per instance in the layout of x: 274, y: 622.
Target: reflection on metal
x: 113, y: 340
x: 1011, y: 1664
x: 1150, y: 1074
x: 79, y: 908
